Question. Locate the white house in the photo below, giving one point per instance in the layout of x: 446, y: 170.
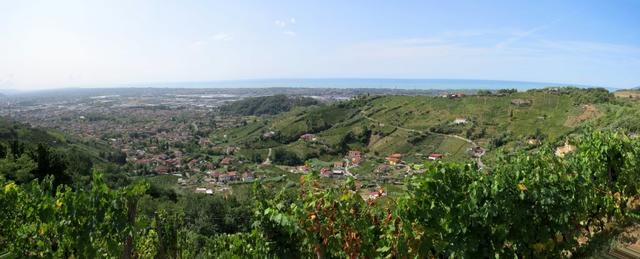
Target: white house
x: 460, y: 121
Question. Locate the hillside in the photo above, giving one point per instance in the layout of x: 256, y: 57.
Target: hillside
x: 267, y: 105
x: 419, y: 125
x: 27, y: 153
x: 630, y: 93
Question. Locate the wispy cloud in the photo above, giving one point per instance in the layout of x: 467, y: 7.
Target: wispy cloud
x: 284, y: 24
x: 517, y: 36
x: 280, y: 23
x: 472, y: 55
x: 218, y: 37
x: 222, y: 37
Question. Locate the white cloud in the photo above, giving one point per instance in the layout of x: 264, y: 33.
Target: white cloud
x: 222, y: 37
x: 280, y: 24
x: 285, y: 22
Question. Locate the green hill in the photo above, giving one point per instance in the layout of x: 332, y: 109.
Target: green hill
x: 419, y: 125
x: 27, y: 152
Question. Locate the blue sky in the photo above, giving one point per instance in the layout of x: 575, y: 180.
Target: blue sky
x: 47, y: 44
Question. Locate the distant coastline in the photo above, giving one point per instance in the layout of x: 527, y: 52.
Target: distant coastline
x: 345, y: 83
x: 326, y: 83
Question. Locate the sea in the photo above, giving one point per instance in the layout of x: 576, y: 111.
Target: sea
x: 341, y: 83
x: 408, y: 84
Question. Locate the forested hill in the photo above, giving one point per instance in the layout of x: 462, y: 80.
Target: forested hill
x: 28, y: 153
x: 267, y: 105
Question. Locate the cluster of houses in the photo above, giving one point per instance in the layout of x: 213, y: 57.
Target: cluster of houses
x: 340, y: 168
x: 395, y: 159
x: 221, y: 179
x: 355, y: 158
x: 454, y: 95
x: 169, y: 162
x: 231, y: 176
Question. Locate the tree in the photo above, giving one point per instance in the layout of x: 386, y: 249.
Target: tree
x: 17, y: 148
x: 285, y: 157
x: 50, y: 163
x: 3, y: 151
x: 19, y: 170
x: 507, y: 91
x: 484, y: 92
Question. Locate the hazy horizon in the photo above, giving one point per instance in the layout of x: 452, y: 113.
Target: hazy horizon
x: 72, y: 43
x: 329, y: 83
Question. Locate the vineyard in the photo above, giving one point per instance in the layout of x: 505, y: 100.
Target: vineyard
x: 529, y: 205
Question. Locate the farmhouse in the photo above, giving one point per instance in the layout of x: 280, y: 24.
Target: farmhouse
x: 325, y: 172
x: 460, y: 121
x: 394, y: 159
x: 376, y: 194
x: 161, y: 170
x: 521, y: 102
x: 233, y: 175
x: 435, y: 156
x: 533, y: 142
x: 337, y: 172
x: 268, y: 135
x: 308, y: 137
x: 477, y: 151
x: 247, y: 176
x: 223, y: 178
x: 564, y: 150
x: 354, y: 153
x: 355, y: 157
x: 226, y: 161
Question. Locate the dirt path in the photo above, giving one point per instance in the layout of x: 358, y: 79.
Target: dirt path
x: 471, y: 142
x: 589, y: 111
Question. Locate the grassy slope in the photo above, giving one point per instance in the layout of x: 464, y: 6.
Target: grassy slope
x: 492, y: 112
x: 549, y: 113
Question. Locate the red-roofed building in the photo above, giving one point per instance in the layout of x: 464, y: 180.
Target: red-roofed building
x: 161, y: 170
x: 394, y: 159
x: 226, y: 161
x: 435, y: 156
x: 233, y: 175
x: 325, y: 172
x: 247, y: 176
